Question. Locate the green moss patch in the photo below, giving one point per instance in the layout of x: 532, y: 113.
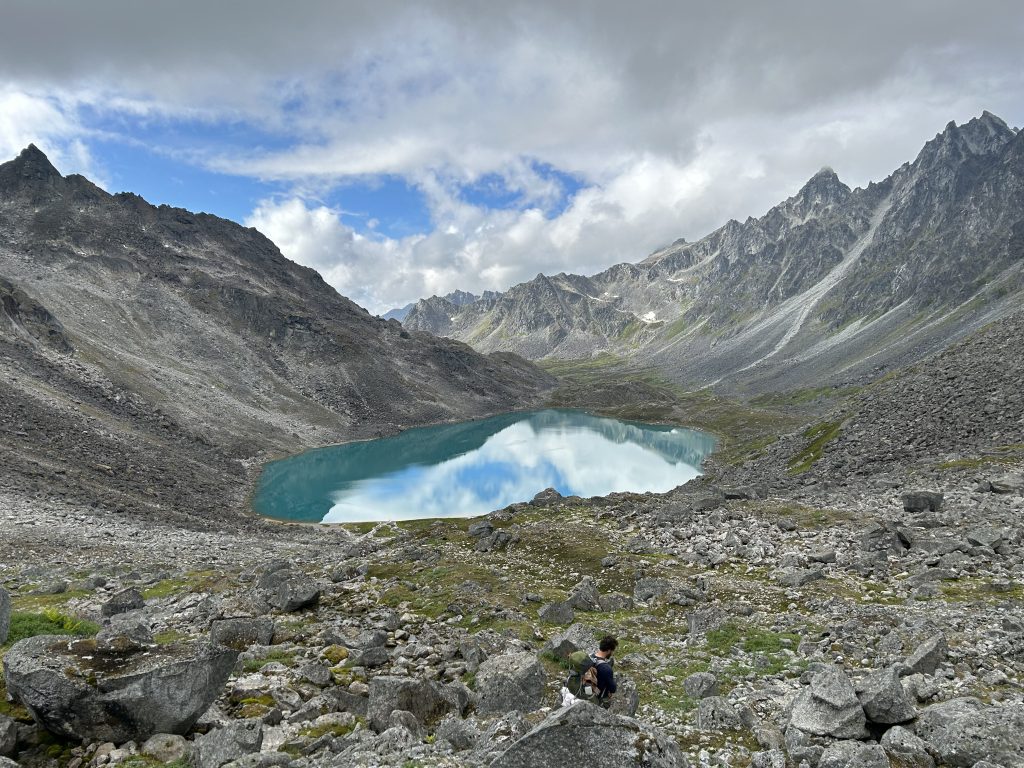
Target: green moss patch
x: 818, y: 436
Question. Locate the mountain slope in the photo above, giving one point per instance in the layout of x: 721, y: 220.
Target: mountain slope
x: 136, y: 323
x: 831, y: 284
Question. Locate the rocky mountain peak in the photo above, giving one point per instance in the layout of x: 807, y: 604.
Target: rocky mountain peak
x: 30, y: 168
x: 982, y: 135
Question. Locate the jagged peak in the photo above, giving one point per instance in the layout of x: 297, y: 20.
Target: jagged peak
x: 979, y: 135
x: 31, y: 165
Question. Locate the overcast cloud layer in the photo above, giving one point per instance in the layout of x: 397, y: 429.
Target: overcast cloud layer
x: 540, y: 138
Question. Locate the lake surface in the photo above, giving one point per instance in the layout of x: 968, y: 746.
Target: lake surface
x: 472, y: 468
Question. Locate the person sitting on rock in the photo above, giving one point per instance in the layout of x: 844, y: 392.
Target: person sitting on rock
x: 604, y: 668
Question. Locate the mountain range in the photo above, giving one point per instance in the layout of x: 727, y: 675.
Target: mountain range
x: 831, y: 285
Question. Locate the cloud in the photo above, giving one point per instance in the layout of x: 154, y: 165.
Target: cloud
x: 674, y: 117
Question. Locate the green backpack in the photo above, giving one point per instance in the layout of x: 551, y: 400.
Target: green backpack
x: 582, y: 680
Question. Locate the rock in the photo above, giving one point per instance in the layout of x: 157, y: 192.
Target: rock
x: 5, y: 615
x: 8, y: 735
x: 829, y: 707
x: 853, y: 754
x: 700, y: 622
x: 122, y: 638
x: 626, y: 699
x: 647, y: 588
x: 400, y: 718
x: 6, y: 762
x: 222, y: 745
x: 772, y: 758
x: 512, y: 681
x: 922, y: 501
x: 457, y: 732
x: 584, y: 596
x: 578, y: 637
x: 242, y: 631
x: 616, y: 601
x: 797, y: 577
x: 928, y: 655
x: 424, y: 698
x: 965, y: 731
x: 557, y: 613
x: 315, y: 673
x: 73, y: 694
x: 1007, y: 484
x: 826, y: 556
x: 126, y: 600
x: 701, y: 685
x: 906, y: 749
x: 883, y: 698
x: 481, y: 528
x: 167, y: 747
x: 497, y: 540
x: 986, y: 536
x: 715, y: 713
x: 586, y: 736
x: 290, y: 592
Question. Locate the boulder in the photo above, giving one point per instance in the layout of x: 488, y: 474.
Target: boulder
x: 223, y: 745
x: 585, y: 596
x: 8, y: 735
x: 922, y: 501
x: 906, y: 749
x: 586, y: 736
x: 715, y: 713
x: 853, y: 754
x: 557, y: 613
x: 166, y: 747
x: 241, y: 632
x: 701, y: 685
x: 76, y: 693
x: 123, y: 638
x: 798, y: 577
x: 457, y: 732
x: 964, y: 731
x: 928, y: 655
x: 288, y: 589
x: 512, y: 681
x: 5, y: 615
x: 424, y: 698
x: 883, y: 698
x: 1007, y: 484
x: 829, y: 707
x: 578, y: 637
x: 626, y: 699
x: 126, y: 600
x: 771, y: 758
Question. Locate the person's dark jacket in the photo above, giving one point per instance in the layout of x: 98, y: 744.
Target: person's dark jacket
x: 605, y: 676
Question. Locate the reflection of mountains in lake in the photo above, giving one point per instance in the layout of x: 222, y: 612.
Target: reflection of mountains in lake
x: 306, y: 486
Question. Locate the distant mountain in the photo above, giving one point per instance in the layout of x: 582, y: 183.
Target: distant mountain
x: 155, y: 340
x: 456, y: 298
x: 830, y: 284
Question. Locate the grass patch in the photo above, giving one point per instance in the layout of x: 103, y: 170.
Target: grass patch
x: 819, y: 436
x: 284, y: 657
x: 199, y: 581
x: 49, y: 622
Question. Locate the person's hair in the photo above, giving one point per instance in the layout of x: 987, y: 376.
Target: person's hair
x: 608, y: 643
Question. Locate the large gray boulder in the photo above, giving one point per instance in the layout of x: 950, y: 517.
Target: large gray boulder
x: 829, y: 707
x: 242, y: 631
x: 284, y: 587
x: 5, y: 615
x: 578, y: 637
x: 928, y: 655
x: 906, y: 749
x: 626, y: 699
x: 853, y: 754
x: 585, y: 596
x: 426, y: 699
x: 8, y: 735
x: 586, y: 736
x: 965, y: 731
x: 222, y: 745
x: 512, y: 681
x: 74, y: 692
x: 884, y: 700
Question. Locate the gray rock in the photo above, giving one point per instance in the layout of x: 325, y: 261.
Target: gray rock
x: 701, y: 685
x: 6, y: 762
x: 74, y: 694
x: 315, y: 673
x: 906, y: 749
x: 700, y: 622
x: 883, y: 698
x: 585, y: 596
x: 5, y: 615
x: 222, y: 745
x: 401, y: 718
x: 166, y: 747
x: 772, y: 758
x: 965, y: 731
x: 123, y: 638
x: 829, y: 707
x: 8, y: 735
x: 499, y: 735
x: 616, y: 601
x: 557, y: 613
x: 1008, y: 484
x: 797, y: 577
x: 512, y: 681
x: 126, y: 600
x: 424, y: 698
x: 480, y: 528
x: 578, y: 637
x: 822, y: 556
x: 262, y: 760
x: 928, y: 655
x: 294, y: 593
x: 241, y: 632
x: 626, y: 699
x: 648, y: 588
x: 586, y: 736
x: 853, y: 754
x: 715, y: 713
x: 922, y: 501
x: 457, y: 732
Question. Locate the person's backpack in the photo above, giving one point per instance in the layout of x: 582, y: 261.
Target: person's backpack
x: 582, y: 680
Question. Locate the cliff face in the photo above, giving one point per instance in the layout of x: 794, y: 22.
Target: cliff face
x: 202, y: 325
x: 831, y: 284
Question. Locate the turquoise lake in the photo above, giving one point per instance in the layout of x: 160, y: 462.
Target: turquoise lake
x: 472, y: 468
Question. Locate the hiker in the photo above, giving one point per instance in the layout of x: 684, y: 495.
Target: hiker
x: 592, y: 677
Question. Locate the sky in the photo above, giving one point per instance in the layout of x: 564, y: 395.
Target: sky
x: 411, y: 149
